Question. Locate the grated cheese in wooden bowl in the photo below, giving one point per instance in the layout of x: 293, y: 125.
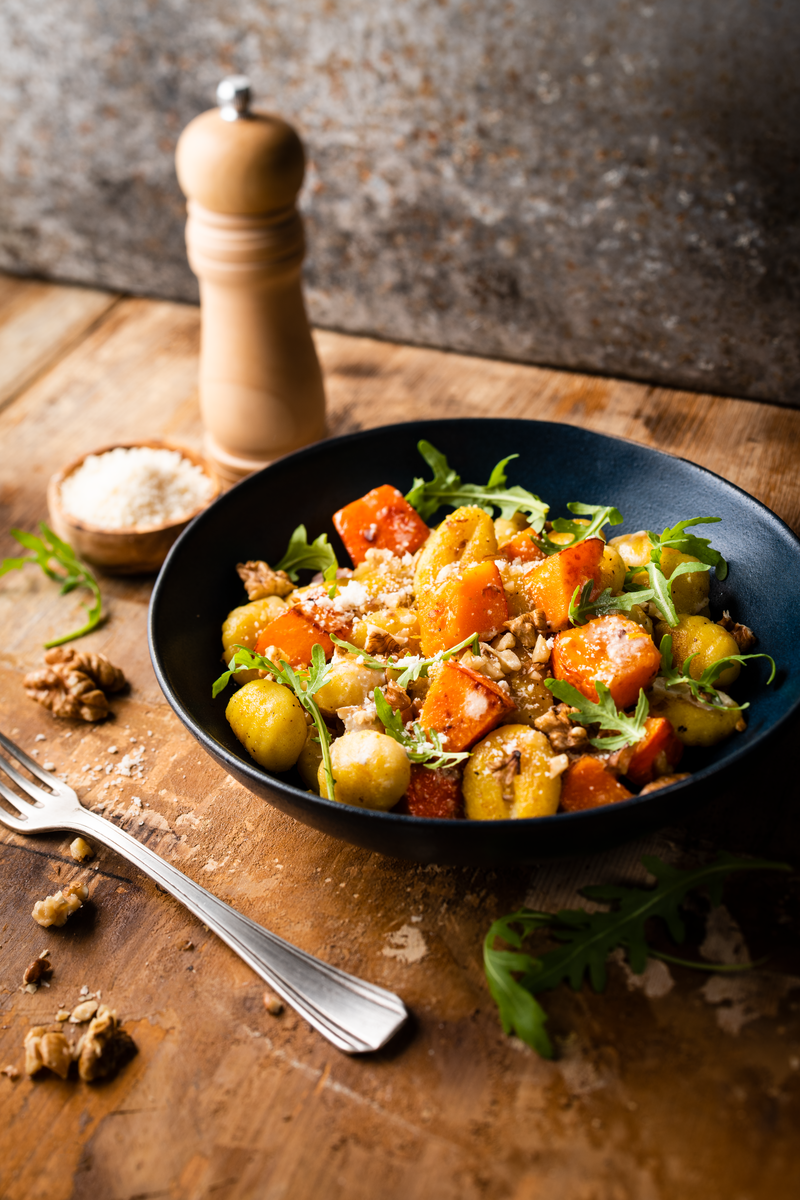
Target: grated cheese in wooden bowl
x: 137, y: 487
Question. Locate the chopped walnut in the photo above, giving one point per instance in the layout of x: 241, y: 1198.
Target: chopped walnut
x: 560, y: 731
x: 743, y: 636
x: 261, y: 581
x: 557, y: 765
x: 54, y: 910
x: 43, y: 1049
x: 504, y: 641
x: 380, y: 641
x: 499, y: 663
x: 397, y: 696
x: 358, y: 718
x: 272, y: 1004
x: 663, y: 781
x: 105, y: 1047
x: 80, y: 849
x: 74, y: 683
x: 83, y: 1012
x: 37, y: 971
x: 741, y: 724
x: 526, y: 628
x: 541, y: 651
x: 11, y: 1072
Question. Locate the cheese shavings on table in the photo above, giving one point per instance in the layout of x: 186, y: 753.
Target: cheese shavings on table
x: 135, y: 488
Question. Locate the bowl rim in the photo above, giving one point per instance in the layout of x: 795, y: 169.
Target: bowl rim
x: 130, y: 531
x: 258, y: 775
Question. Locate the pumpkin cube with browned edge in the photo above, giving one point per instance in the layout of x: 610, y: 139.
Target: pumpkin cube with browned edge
x: 381, y: 520
x: 551, y: 585
x: 295, y: 637
x: 588, y: 784
x: 471, y: 600
x: 615, y: 650
x: 658, y: 753
x: 463, y: 706
x: 433, y: 793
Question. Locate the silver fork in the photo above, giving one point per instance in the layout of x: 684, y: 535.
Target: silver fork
x: 356, y: 1016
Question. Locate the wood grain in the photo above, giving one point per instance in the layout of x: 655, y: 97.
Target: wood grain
x: 39, y: 322
x: 652, y: 1092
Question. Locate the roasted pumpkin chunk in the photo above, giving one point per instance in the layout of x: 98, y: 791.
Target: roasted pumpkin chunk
x: 587, y: 784
x: 295, y: 636
x: 471, y: 600
x: 463, y: 706
x: 381, y: 520
x: 551, y: 585
x: 612, y: 649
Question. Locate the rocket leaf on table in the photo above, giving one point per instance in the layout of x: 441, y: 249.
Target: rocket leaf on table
x: 46, y: 551
x: 587, y: 939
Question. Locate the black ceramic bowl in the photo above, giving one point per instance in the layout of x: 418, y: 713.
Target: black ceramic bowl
x: 198, y: 586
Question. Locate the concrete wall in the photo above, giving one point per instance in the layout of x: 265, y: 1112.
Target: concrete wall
x: 596, y: 184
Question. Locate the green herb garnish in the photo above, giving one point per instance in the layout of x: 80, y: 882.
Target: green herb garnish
x: 423, y: 746
x: 600, y: 516
x: 660, y: 590
x: 303, y: 681
x: 411, y: 666
x: 703, y: 689
x: 688, y: 543
x: 46, y: 550
x: 300, y: 556
x: 582, y: 609
x: 446, y: 488
x: 624, y: 730
x: 515, y: 978
x: 329, y: 575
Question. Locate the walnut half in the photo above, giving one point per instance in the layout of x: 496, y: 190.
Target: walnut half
x: 261, y: 581
x: 74, y: 683
x: 105, y: 1047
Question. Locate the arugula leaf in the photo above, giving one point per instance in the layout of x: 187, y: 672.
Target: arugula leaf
x: 329, y: 575
x: 301, y: 556
x: 411, y: 666
x: 688, y: 543
x: 660, y: 590
x: 625, y: 730
x: 50, y: 548
x: 703, y: 688
x: 303, y: 681
x: 583, y: 609
x: 446, y: 488
x: 423, y: 746
x: 519, y: 1011
x: 588, y: 939
x: 601, y: 515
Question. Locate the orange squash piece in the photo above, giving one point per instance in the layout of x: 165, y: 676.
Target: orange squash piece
x: 551, y: 585
x: 612, y: 649
x: 471, y: 601
x: 295, y: 636
x: 587, y: 784
x: 522, y: 548
x: 433, y: 794
x: 463, y: 706
x: 659, y: 750
x: 384, y: 520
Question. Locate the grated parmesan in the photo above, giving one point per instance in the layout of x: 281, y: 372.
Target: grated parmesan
x: 134, y: 488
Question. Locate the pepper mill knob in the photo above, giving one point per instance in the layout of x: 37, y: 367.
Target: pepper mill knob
x: 261, y: 390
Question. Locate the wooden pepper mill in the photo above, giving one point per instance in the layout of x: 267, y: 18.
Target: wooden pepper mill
x: 261, y: 390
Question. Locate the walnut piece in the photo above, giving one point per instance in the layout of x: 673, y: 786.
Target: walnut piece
x: 396, y: 696
x: 100, y: 670
x: 272, y: 1004
x: 743, y: 636
x: 36, y: 971
x: 80, y: 849
x: 560, y: 732
x: 105, y: 1047
x: 54, y: 910
x: 526, y: 628
x: 43, y: 1049
x: 380, y: 641
x: 11, y: 1072
x: 83, y: 1012
x: 261, y: 581
x: 74, y: 683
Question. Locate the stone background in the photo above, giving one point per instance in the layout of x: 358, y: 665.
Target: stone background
x: 593, y: 184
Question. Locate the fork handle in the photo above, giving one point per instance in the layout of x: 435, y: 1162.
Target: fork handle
x: 356, y: 1016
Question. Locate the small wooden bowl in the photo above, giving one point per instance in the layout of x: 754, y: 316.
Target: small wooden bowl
x: 136, y: 551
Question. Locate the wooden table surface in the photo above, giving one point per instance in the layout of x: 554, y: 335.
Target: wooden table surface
x: 671, y: 1084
